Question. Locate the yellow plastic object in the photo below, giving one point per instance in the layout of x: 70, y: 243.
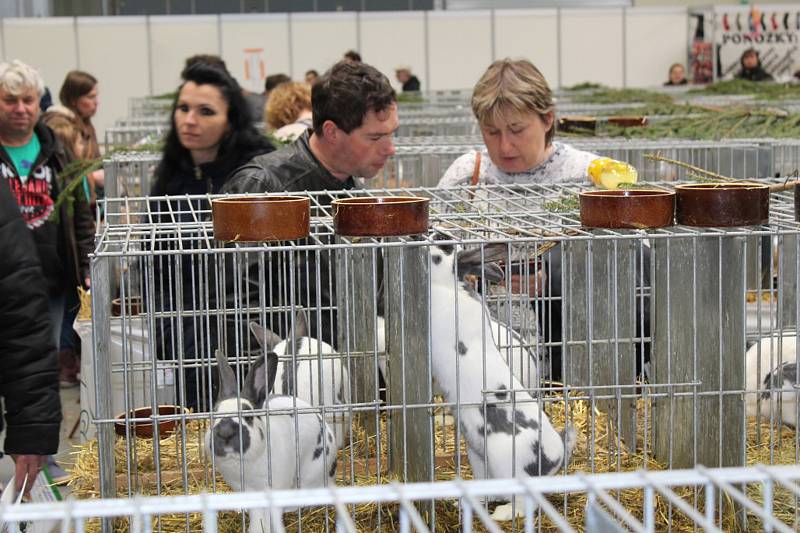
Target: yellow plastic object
x: 609, y: 173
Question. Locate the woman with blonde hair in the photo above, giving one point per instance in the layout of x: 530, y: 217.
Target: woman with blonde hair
x: 288, y: 110
x: 516, y: 113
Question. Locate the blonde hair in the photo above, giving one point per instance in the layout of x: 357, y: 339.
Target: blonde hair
x: 16, y: 77
x: 512, y: 85
x: 285, y: 103
x: 66, y: 130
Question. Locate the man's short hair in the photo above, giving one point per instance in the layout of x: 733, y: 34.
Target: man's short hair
x: 16, y: 77
x: 346, y: 92
x: 352, y: 55
x: 274, y: 80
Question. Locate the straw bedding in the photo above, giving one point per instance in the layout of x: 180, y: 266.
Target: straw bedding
x: 598, y: 451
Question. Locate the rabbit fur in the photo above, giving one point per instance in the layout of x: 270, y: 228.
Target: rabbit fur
x: 507, y: 433
x: 524, y: 362
x: 254, y: 453
x: 772, y: 370
x: 298, y: 372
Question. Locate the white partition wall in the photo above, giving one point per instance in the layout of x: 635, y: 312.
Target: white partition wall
x: 246, y: 34
x: 46, y: 44
x: 321, y: 39
x: 648, y: 54
x: 120, y: 41
x: 390, y: 39
x: 137, y: 56
x: 529, y: 33
x: 459, y: 47
x: 592, y: 46
x: 173, y: 39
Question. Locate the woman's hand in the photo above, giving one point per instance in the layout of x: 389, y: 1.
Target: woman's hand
x: 532, y: 283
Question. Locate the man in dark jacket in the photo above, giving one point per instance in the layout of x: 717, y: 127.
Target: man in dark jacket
x: 28, y: 364
x: 752, y: 70
x: 355, y: 116
x: 410, y: 82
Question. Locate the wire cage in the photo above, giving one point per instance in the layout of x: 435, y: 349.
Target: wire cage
x: 130, y: 173
x: 458, y: 125
x: 130, y: 136
x: 148, y: 106
x: 157, y: 120
x: 757, y: 489
x: 507, y: 341
x: 422, y: 164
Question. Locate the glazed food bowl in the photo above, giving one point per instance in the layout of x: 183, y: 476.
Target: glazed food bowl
x: 133, y: 306
x: 631, y: 209
x: 388, y: 216
x: 722, y: 204
x: 260, y: 218
x: 144, y: 430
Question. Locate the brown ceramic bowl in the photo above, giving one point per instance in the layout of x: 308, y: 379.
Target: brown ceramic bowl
x: 144, y: 430
x: 628, y: 122
x: 133, y: 307
x: 722, y: 204
x: 632, y: 209
x: 388, y: 216
x: 260, y: 218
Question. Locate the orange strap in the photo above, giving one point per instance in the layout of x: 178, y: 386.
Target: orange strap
x: 477, y: 172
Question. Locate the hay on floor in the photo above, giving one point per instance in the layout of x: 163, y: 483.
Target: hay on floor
x: 597, y: 451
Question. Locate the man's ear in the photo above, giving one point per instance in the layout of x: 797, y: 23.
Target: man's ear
x: 330, y: 130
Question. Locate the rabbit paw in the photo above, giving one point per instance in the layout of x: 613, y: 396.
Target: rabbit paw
x: 505, y: 512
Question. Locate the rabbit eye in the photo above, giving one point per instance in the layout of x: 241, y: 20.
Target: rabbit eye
x: 436, y: 259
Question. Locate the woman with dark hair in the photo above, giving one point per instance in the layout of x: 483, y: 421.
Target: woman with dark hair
x: 212, y: 134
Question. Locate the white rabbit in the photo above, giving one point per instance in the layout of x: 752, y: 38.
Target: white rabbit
x: 301, y: 373
x: 507, y: 433
x: 773, y: 373
x: 255, y: 453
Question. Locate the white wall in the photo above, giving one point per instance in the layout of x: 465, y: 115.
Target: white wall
x: 137, y: 56
x: 320, y: 39
x: 108, y: 40
x: 532, y: 34
x: 649, y: 64
x: 393, y: 38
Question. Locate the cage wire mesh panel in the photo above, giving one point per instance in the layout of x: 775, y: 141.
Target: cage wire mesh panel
x: 418, y: 163
x: 128, y: 136
x: 507, y: 341
x: 130, y: 173
x: 761, y: 491
x: 148, y: 106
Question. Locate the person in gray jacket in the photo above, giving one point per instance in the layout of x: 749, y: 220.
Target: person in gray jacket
x: 354, y: 119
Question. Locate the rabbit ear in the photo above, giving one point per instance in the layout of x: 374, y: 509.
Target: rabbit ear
x: 265, y: 337
x: 300, y: 325
x: 471, y: 262
x: 272, y: 370
x: 227, y: 379
x: 255, y: 384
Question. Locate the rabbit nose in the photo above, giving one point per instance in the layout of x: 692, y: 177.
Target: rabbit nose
x: 226, y: 436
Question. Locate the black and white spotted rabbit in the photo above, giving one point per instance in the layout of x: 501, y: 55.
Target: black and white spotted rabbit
x: 508, y: 434
x: 280, y: 450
